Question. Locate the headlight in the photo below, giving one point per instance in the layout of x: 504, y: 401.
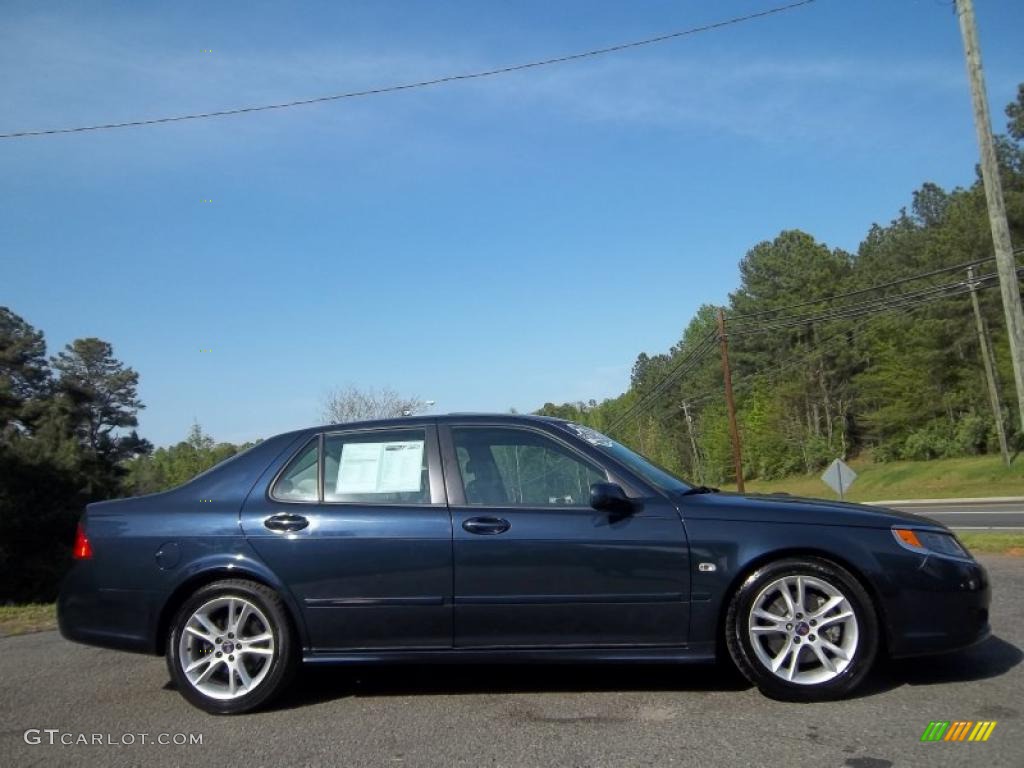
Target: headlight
x: 929, y: 542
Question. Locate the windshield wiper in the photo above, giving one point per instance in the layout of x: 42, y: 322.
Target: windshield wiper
x: 700, y: 489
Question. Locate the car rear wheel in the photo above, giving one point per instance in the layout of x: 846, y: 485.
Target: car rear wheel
x: 230, y: 647
x: 802, y: 630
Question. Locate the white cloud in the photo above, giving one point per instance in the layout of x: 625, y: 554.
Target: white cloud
x: 828, y: 100
x: 74, y: 73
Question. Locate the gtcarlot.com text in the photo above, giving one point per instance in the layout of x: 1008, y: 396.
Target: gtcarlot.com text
x: 57, y: 737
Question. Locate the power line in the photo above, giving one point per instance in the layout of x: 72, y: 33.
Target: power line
x: 890, y: 284
x: 422, y: 83
x: 879, y: 304
x: 744, y: 382
x: 855, y: 331
x: 909, y: 301
x: 688, y: 363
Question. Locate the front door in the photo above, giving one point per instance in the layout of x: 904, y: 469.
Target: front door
x: 357, y: 526
x: 536, y: 566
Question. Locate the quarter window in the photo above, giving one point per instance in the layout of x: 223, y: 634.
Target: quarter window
x: 515, y: 467
x: 299, y: 481
x: 377, y: 467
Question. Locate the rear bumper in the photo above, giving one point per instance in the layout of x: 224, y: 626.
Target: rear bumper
x: 941, y: 606
x: 109, y: 618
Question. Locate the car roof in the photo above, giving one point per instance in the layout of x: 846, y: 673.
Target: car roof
x: 407, y: 421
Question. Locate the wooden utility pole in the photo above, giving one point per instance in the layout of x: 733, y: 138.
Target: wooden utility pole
x: 693, y: 443
x: 730, y: 403
x: 1005, y: 262
x: 990, y: 369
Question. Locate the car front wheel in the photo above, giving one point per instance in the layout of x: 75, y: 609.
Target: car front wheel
x: 802, y: 629
x: 230, y: 647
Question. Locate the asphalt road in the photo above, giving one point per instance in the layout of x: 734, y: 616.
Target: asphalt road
x: 972, y: 515
x: 522, y: 716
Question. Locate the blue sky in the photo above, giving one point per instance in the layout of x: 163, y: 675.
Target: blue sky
x: 488, y: 244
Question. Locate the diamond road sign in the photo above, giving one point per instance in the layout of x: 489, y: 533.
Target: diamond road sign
x: 839, y: 477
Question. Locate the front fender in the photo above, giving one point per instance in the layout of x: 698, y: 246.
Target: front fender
x: 736, y: 548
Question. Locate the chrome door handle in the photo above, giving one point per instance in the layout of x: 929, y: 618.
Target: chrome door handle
x: 486, y: 526
x: 285, y: 522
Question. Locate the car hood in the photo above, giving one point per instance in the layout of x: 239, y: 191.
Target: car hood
x: 783, y: 508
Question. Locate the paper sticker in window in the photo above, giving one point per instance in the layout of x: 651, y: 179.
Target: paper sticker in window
x: 380, y: 467
x: 592, y: 436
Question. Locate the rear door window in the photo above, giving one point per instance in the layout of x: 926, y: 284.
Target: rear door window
x: 377, y: 467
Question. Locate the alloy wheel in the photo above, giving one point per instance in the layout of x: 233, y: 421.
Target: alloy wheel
x: 226, y: 647
x: 803, y: 629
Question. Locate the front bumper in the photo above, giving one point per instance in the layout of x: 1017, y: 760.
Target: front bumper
x: 942, y: 605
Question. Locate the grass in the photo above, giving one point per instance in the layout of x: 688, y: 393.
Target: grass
x: 973, y: 476
x: 990, y: 543
x: 22, y: 619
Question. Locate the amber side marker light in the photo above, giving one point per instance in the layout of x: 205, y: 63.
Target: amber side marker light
x: 929, y: 542
x: 908, y: 537
x: 82, y: 549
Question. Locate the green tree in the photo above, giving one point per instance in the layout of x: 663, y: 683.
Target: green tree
x: 170, y: 467
x: 24, y: 373
x: 102, y: 394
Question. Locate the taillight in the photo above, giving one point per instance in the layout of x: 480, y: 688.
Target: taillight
x: 82, y: 549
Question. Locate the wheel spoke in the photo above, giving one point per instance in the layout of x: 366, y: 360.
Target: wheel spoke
x: 243, y: 674
x: 258, y: 638
x: 829, y: 605
x: 791, y: 669
x: 201, y: 635
x: 800, y: 594
x: 834, y: 649
x: 232, y: 685
x: 781, y: 656
x: 788, y: 598
x: 824, y: 659
x: 243, y: 616
x: 762, y: 630
x: 841, y: 616
x: 197, y: 664
x: 207, y: 623
x: 258, y: 651
x: 207, y: 672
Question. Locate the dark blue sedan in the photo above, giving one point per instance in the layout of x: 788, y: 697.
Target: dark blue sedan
x: 474, y: 538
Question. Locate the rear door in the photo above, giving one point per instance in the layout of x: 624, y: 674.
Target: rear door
x: 357, y: 526
x: 536, y: 566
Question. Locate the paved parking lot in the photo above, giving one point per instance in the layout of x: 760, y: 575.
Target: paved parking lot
x: 522, y: 716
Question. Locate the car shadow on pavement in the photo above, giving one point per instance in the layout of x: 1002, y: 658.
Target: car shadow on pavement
x: 991, y: 658
x: 319, y: 684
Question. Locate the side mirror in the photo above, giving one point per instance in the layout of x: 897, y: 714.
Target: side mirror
x: 611, y: 498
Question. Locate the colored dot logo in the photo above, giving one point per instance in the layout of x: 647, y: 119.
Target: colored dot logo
x: 206, y: 350
x: 206, y: 200
x: 206, y: 50
x: 958, y: 730
x: 207, y: 501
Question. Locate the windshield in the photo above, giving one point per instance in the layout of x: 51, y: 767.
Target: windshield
x: 645, y: 468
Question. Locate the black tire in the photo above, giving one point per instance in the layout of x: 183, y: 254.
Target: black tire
x: 282, y: 665
x: 741, y: 648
